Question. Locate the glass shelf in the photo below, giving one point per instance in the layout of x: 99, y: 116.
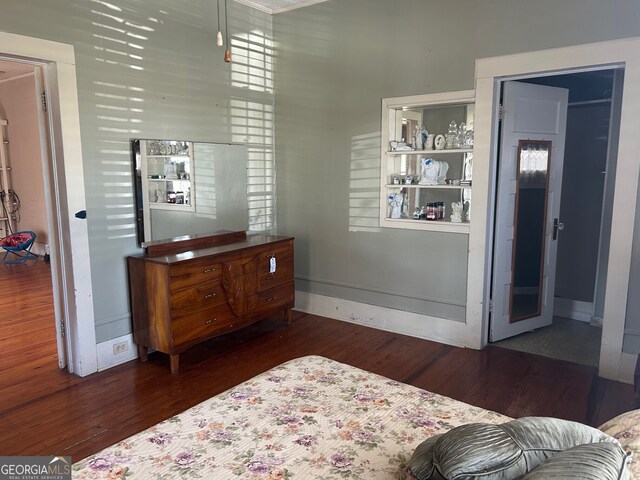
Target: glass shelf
x: 429, y: 152
x: 415, y: 185
x: 437, y: 225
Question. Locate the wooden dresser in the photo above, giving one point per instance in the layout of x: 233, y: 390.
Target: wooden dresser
x: 196, y: 288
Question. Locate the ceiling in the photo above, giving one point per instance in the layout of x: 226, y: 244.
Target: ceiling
x: 278, y: 6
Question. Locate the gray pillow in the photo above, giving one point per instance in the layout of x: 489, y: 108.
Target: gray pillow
x: 592, y: 461
x: 498, y: 452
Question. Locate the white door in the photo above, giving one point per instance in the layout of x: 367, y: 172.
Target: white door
x: 528, y: 202
x: 57, y: 281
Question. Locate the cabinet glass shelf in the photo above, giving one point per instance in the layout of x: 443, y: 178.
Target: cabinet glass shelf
x: 415, y: 185
x: 168, y: 180
x: 179, y: 207
x: 429, y: 152
x: 436, y: 225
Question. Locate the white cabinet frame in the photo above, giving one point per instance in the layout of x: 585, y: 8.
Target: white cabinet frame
x: 390, y: 109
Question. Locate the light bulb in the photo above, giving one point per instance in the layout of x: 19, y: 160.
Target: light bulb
x: 219, y: 38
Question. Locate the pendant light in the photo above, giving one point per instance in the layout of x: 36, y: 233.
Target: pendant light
x: 227, y: 52
x: 219, y: 34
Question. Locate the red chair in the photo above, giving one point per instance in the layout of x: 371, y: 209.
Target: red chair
x: 18, y: 244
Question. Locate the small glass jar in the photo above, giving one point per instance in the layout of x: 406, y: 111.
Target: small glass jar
x: 460, y: 139
x: 452, y: 136
x: 432, y: 211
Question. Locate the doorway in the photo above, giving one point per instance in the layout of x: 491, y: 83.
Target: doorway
x: 575, y: 331
x: 614, y: 364
x: 25, y: 207
x: 69, y: 243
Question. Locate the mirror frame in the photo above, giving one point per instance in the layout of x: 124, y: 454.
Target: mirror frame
x: 522, y: 146
x: 241, y: 176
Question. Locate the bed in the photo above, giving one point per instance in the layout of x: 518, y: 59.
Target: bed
x: 309, y: 418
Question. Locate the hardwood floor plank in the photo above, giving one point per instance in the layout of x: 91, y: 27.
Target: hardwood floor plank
x: 79, y: 416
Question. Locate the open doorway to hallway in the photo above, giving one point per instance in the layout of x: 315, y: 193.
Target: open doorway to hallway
x: 28, y: 337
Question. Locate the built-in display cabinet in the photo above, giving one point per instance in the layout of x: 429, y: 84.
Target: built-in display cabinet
x: 427, y: 161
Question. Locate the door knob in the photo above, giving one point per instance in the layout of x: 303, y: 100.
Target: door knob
x: 557, y: 225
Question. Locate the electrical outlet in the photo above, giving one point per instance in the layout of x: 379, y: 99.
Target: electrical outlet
x: 120, y: 347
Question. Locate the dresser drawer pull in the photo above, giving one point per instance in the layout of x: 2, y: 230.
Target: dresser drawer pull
x: 207, y: 270
x: 209, y: 295
x: 270, y: 299
x: 209, y: 321
x: 270, y: 277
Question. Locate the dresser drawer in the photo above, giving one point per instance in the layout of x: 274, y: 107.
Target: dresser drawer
x: 272, y: 299
x: 277, y: 271
x: 197, y: 325
x: 193, y: 273
x: 204, y: 295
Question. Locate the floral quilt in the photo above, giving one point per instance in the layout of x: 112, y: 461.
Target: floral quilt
x: 626, y: 429
x: 309, y: 418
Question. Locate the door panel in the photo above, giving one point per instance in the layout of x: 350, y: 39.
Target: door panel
x: 533, y: 116
x: 534, y: 119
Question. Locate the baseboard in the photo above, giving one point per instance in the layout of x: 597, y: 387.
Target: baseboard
x: 39, y: 248
x: 627, y: 367
x: 616, y: 365
x: 574, y: 309
x: 436, y: 329
x: 596, y: 322
x: 106, y: 356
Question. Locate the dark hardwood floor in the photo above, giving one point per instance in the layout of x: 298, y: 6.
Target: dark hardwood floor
x: 46, y: 411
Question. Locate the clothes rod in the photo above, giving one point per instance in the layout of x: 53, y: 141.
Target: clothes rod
x: 590, y: 102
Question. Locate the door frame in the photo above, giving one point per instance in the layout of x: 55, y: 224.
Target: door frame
x: 71, y: 270
x: 490, y: 72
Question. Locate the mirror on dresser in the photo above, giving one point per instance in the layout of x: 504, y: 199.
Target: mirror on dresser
x: 188, y: 188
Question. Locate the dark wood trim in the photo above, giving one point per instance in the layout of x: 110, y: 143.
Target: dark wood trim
x: 191, y: 242
x: 636, y: 383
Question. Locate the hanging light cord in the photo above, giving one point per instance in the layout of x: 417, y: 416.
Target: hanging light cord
x: 219, y: 34
x: 227, y: 52
x: 218, y: 8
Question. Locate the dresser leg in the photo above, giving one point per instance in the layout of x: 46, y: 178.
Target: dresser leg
x: 143, y: 353
x: 636, y: 383
x: 174, y: 359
